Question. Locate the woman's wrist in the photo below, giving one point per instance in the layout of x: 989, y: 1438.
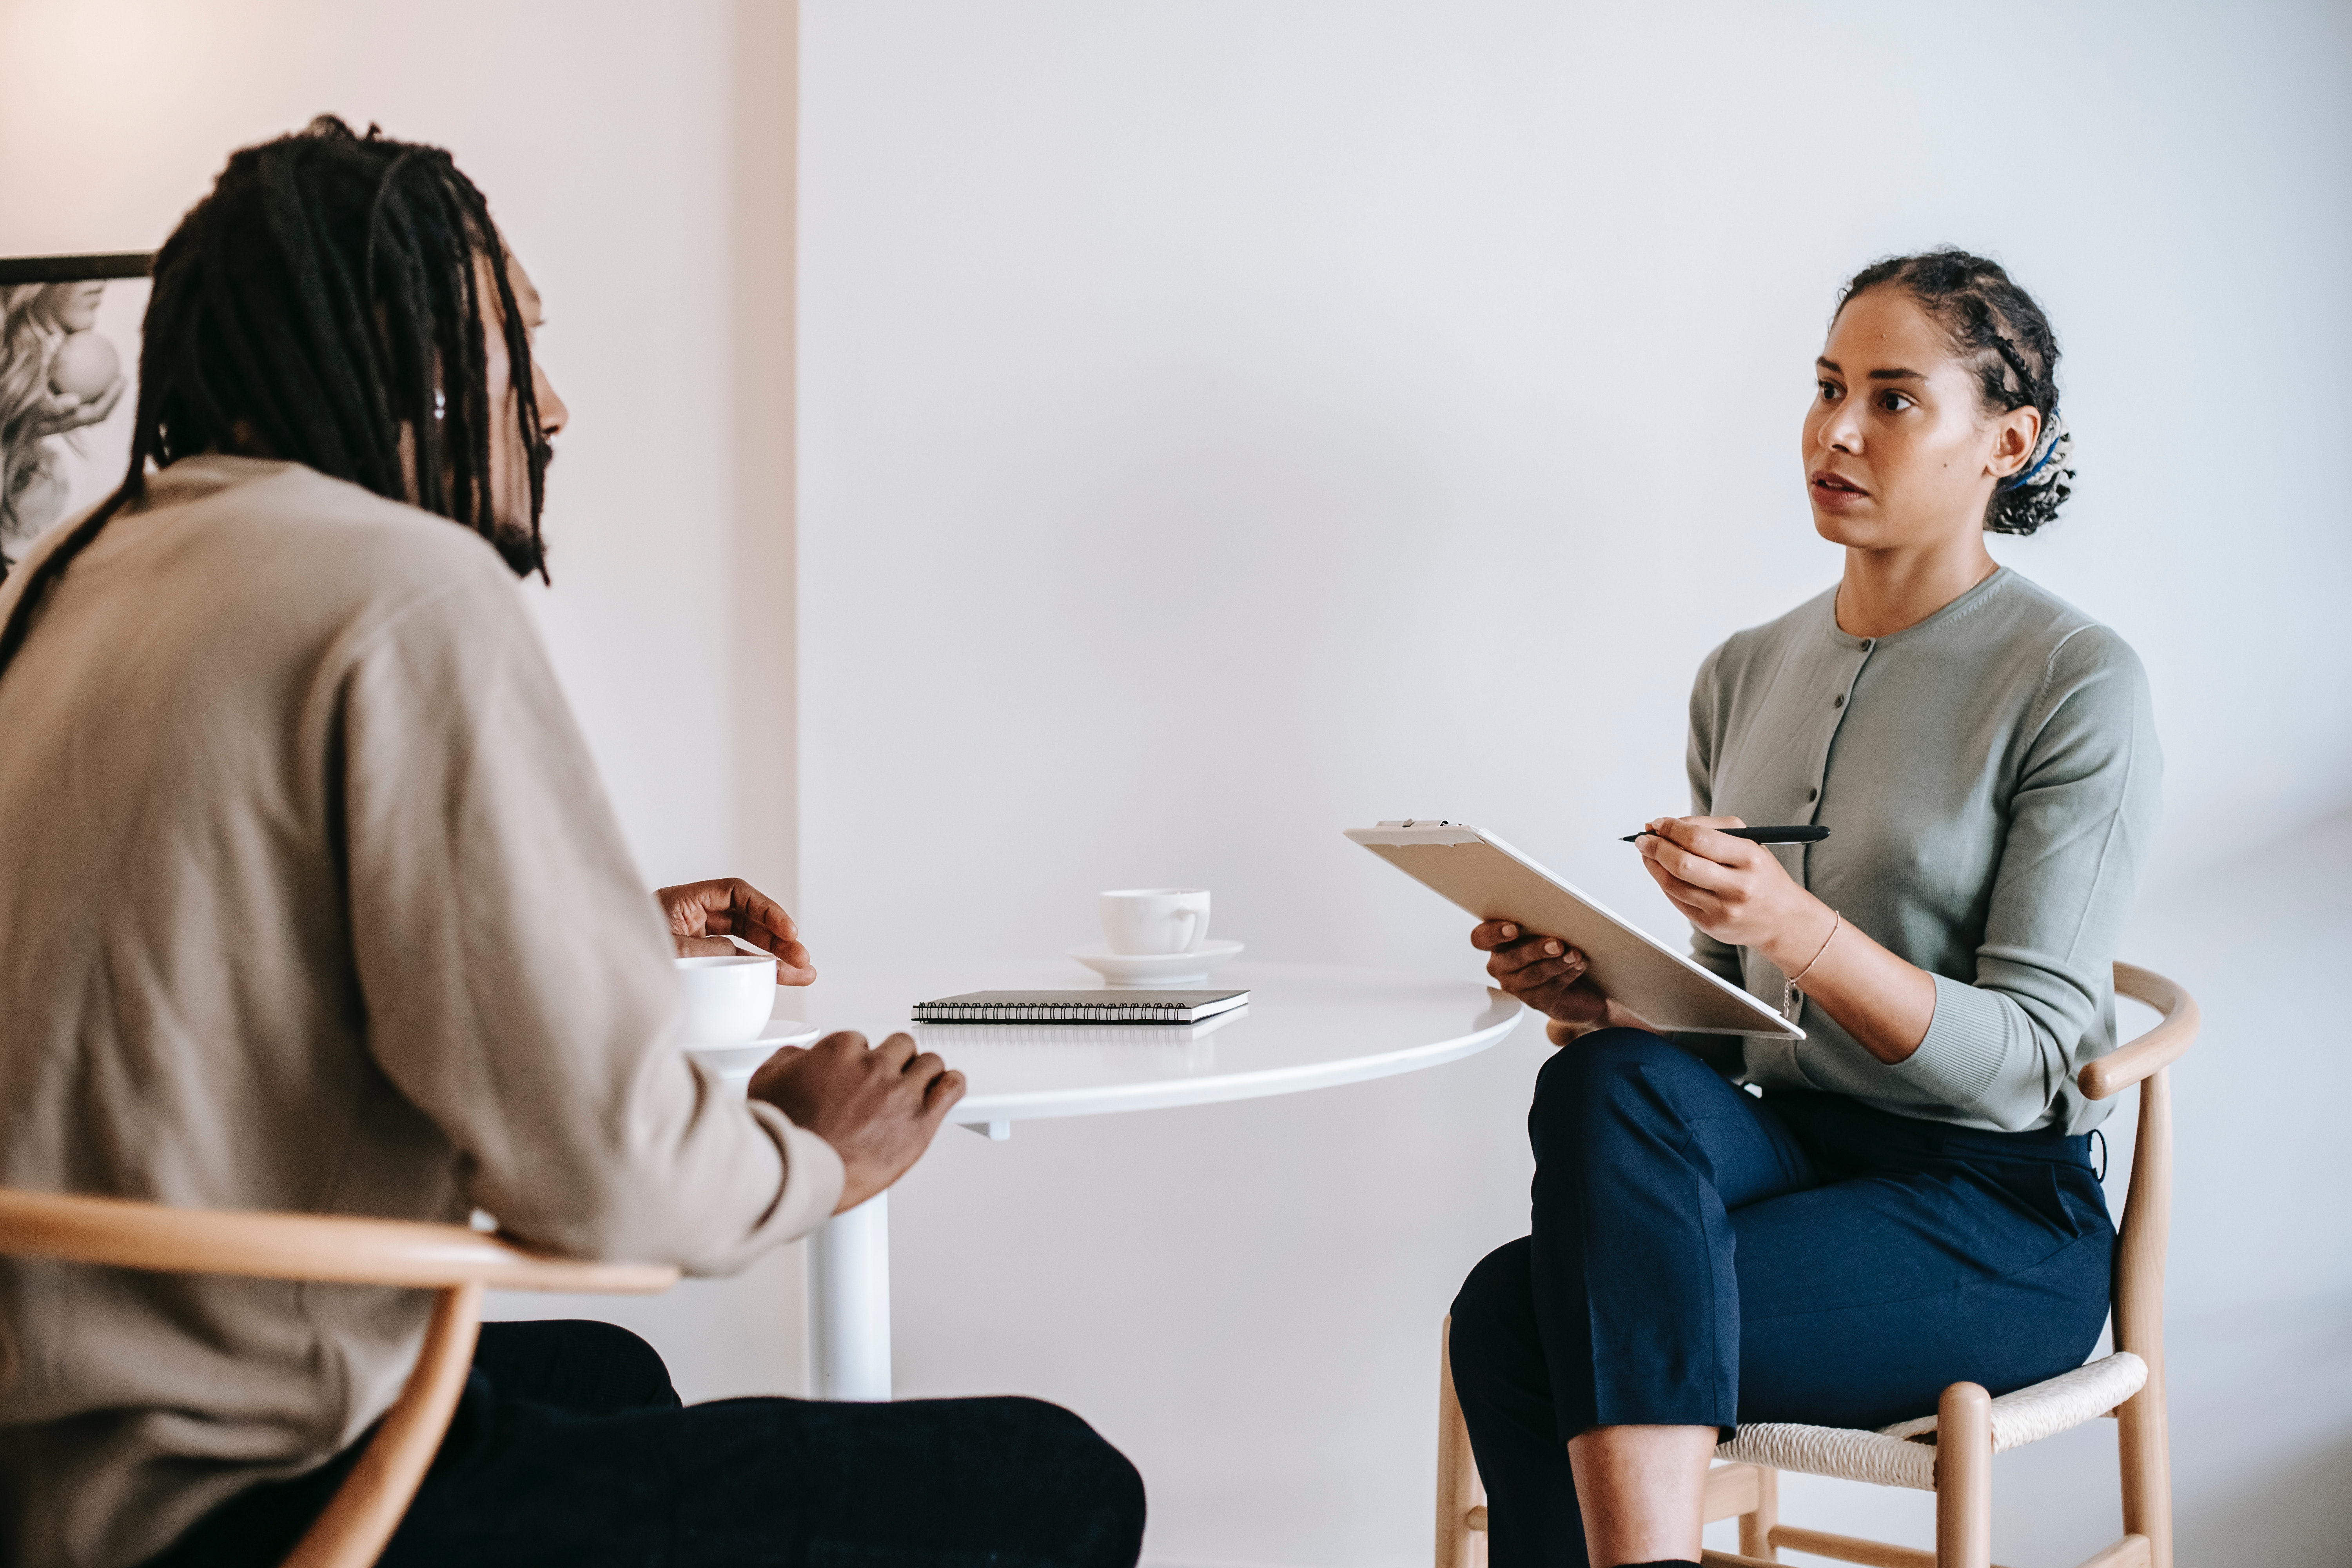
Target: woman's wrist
x: 1800, y: 938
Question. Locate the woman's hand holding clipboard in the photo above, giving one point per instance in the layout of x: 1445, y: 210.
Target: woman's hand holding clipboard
x: 1551, y: 977
x: 1607, y: 971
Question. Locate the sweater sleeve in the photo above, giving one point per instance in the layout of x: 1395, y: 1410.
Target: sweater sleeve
x: 2079, y: 826
x: 516, y: 975
x: 1725, y: 1053
x: 1706, y: 735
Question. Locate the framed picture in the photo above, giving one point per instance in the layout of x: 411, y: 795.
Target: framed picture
x: 68, y: 386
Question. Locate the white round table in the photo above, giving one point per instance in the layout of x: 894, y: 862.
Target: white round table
x: 1306, y: 1027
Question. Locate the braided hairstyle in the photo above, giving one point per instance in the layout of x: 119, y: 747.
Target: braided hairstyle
x: 1996, y: 326
x: 324, y: 306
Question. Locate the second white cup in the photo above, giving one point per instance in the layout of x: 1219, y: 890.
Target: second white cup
x: 1155, y: 920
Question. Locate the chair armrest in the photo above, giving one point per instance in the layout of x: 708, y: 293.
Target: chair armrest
x: 2159, y: 1047
x: 327, y: 1247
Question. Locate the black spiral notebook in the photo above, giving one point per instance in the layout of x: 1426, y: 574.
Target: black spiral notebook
x: 1136, y: 1006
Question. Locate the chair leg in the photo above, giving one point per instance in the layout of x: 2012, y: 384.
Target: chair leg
x: 1751, y: 1494
x: 1964, y: 1478
x: 366, y: 1509
x: 1755, y: 1524
x: 2139, y: 1322
x: 1458, y: 1487
x: 2147, y: 1467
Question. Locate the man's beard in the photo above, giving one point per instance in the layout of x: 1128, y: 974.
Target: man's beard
x: 515, y: 542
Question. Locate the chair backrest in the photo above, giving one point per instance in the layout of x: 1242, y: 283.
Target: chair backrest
x: 2141, y: 1241
x: 2142, y: 1237
x: 456, y: 1263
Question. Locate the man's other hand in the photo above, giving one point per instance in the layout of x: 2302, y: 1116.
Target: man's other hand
x: 878, y: 1108
x: 703, y: 915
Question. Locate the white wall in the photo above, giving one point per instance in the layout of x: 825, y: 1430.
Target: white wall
x: 1224, y: 424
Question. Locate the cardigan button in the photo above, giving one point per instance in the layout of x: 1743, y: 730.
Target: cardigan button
x: 1839, y: 700
x: 1812, y: 794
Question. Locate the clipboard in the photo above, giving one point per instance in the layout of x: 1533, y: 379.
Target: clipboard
x: 1478, y: 872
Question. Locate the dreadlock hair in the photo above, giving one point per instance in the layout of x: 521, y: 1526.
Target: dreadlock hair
x: 1996, y: 326
x: 324, y: 305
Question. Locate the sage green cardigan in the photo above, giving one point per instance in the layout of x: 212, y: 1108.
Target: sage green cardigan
x: 1991, y: 780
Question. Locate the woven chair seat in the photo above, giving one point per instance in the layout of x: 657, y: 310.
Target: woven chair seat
x: 1904, y: 1454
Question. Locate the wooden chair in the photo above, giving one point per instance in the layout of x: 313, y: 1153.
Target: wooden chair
x: 1951, y: 1453
x: 456, y: 1263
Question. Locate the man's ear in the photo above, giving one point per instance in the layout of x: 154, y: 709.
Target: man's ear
x: 2015, y: 436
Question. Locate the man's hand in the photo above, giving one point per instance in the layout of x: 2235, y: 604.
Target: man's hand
x: 877, y: 1108
x: 703, y: 915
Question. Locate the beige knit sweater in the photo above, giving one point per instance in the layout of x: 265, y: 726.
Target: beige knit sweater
x: 310, y: 899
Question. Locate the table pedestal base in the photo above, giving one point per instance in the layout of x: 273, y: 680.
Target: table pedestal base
x: 849, y: 1303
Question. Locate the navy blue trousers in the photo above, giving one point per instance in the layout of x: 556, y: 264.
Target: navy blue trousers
x: 1701, y: 1257
x: 571, y: 1448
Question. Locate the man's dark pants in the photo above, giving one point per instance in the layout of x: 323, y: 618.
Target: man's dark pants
x: 569, y: 1447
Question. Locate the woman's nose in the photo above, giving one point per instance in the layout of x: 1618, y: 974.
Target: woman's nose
x: 1841, y: 432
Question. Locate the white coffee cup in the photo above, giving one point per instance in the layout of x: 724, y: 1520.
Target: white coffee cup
x: 1155, y: 920
x: 729, y: 997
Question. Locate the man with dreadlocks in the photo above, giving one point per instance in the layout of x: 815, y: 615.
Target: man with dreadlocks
x: 310, y: 901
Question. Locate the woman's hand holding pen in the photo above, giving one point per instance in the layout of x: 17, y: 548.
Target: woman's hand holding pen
x: 1738, y: 892
x: 1735, y: 891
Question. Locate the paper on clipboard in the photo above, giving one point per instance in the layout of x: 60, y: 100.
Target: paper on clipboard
x: 1478, y: 872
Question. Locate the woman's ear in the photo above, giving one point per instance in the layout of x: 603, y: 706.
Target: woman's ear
x: 2015, y: 434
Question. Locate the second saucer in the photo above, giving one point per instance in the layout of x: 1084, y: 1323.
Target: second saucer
x: 1155, y: 969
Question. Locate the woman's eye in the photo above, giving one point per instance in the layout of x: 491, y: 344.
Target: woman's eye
x: 1893, y: 402
x: 1829, y: 391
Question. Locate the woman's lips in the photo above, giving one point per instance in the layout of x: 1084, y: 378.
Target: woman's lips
x: 1836, y: 491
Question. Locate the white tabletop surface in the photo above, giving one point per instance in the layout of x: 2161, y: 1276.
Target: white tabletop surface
x: 1306, y: 1027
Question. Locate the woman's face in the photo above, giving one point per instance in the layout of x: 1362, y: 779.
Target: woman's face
x: 1899, y: 449
x: 74, y: 306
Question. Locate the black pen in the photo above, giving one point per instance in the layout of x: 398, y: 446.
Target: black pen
x: 1797, y: 835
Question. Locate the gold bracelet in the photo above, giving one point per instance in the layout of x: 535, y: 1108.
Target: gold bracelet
x: 1789, y: 994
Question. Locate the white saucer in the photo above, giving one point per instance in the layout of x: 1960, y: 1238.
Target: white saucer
x: 778, y: 1032
x: 1165, y: 970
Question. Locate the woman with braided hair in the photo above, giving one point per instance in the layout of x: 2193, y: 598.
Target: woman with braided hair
x: 310, y: 902
x: 1904, y: 1198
